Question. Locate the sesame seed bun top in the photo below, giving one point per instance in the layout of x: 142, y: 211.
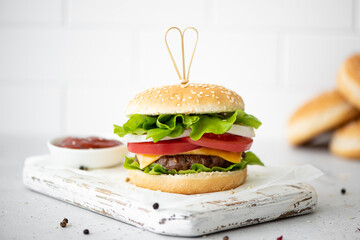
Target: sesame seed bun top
x: 191, y: 98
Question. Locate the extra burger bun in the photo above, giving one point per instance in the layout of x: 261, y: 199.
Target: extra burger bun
x: 185, y: 99
x: 346, y: 141
x: 194, y: 183
x: 349, y: 80
x: 323, y: 113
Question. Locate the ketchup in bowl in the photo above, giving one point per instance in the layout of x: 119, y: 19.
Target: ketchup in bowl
x: 87, y: 143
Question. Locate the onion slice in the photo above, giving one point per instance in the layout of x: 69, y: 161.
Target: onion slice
x: 241, y: 130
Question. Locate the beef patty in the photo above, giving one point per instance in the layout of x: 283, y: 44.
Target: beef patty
x: 184, y: 161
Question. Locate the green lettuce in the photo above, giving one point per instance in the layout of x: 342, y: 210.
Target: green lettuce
x: 166, y: 125
x: 157, y: 169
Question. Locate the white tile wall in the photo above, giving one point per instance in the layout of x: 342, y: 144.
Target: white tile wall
x: 93, y: 110
x: 139, y: 12
x: 34, y: 11
x: 285, y: 13
x: 98, y: 56
x: 356, y: 13
x: 27, y: 110
x: 31, y: 55
x: 71, y: 66
x: 313, y: 61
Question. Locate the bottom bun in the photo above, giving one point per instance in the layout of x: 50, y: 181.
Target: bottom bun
x: 193, y: 183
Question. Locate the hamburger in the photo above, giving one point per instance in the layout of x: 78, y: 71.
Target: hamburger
x: 188, y: 139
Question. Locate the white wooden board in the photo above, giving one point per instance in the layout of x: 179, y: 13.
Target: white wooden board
x: 106, y: 192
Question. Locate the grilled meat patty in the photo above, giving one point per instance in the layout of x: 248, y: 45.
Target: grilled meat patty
x: 184, y: 161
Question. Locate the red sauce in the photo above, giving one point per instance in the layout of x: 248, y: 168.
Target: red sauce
x: 87, y: 143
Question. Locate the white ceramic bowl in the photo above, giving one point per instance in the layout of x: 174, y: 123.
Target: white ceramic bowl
x: 89, y: 158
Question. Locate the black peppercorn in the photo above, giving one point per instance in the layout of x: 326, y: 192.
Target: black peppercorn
x: 86, y: 231
x: 65, y: 220
x: 226, y: 238
x: 83, y: 168
x: 63, y: 224
x: 343, y: 191
x: 243, y: 155
x: 155, y: 206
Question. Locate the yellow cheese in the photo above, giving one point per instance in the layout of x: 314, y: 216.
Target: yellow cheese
x: 146, y: 159
x: 234, y: 157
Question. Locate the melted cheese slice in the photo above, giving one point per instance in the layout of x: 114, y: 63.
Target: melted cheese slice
x: 234, y: 157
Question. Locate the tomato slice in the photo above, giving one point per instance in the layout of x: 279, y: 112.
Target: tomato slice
x: 162, y: 147
x: 226, y: 142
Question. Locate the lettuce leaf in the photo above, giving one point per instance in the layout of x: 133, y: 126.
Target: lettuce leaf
x: 158, y: 127
x: 157, y: 169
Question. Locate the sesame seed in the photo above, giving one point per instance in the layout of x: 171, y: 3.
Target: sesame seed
x: 212, y: 91
x: 189, y: 97
x: 156, y: 96
x: 178, y: 104
x: 197, y: 100
x: 216, y: 97
x: 158, y: 91
x: 183, y: 99
x: 207, y: 95
x: 162, y: 100
x: 193, y: 92
x: 218, y: 102
x: 201, y: 92
x: 171, y: 98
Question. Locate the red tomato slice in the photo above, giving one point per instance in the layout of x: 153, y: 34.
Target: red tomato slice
x: 226, y: 142
x: 162, y: 147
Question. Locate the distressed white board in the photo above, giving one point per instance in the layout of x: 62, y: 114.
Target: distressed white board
x: 106, y: 192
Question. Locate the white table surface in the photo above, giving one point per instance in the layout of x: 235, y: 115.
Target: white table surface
x: 29, y: 215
